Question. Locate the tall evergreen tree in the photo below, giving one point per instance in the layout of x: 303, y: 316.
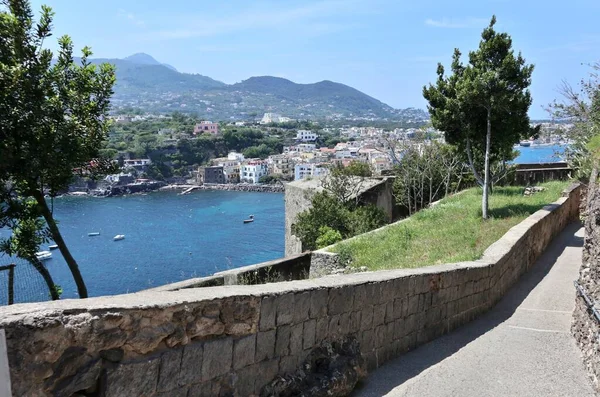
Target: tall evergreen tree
x: 482, y: 106
x: 53, y: 116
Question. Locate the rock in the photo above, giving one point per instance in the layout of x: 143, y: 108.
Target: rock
x: 332, y: 369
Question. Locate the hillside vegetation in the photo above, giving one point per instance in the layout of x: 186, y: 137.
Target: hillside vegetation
x: 451, y: 231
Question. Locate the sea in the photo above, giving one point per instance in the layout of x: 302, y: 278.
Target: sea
x: 168, y: 238
x: 540, y: 154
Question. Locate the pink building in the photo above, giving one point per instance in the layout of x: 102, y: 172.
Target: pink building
x: 206, y: 127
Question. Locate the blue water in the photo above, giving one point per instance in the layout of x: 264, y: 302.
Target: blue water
x: 540, y: 154
x: 169, y: 237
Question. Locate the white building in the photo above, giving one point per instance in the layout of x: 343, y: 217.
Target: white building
x: 235, y: 156
x: 137, y: 163
x: 306, y: 136
x: 253, y: 170
x: 274, y: 118
x: 305, y: 170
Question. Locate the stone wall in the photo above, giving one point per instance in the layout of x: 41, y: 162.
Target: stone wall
x: 531, y: 174
x: 585, y: 326
x: 240, y: 340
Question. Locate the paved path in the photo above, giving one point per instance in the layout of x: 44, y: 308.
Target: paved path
x: 522, y: 347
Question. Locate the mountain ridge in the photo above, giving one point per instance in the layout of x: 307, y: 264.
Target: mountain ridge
x: 144, y: 82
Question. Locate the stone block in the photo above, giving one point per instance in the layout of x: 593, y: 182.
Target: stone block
x: 244, y: 350
x: 285, y: 309
x: 379, y: 314
x: 282, y: 344
x: 367, y: 342
x: 389, y: 311
x: 399, y: 329
x: 388, y: 292
x: 244, y: 385
x: 268, y: 310
x: 217, y: 358
x: 133, y: 378
x: 401, y: 287
x: 333, y: 331
x: 373, y: 291
x: 178, y: 392
x: 265, y: 345
x: 301, y: 307
x: 413, y: 304
x: 205, y: 389
x: 355, y: 320
x: 318, y: 303
x: 366, y: 320
x: 266, y: 371
x: 340, y: 300
x: 191, y: 364
x: 380, y: 335
x: 360, y: 297
x: 296, y: 338
x: 344, y: 324
x: 309, y: 334
x: 288, y: 365
x: 170, y: 366
x: 399, y: 305
x: 322, y: 329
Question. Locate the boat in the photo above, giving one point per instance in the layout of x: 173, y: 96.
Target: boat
x: 53, y: 247
x: 250, y: 219
x: 94, y: 234
x: 43, y: 255
x: 119, y: 237
x: 525, y: 143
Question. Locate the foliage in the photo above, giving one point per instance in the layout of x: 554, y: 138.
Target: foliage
x: 451, y: 231
x: 487, y: 97
x: 337, y: 208
x: 427, y: 172
x: 327, y: 237
x: 581, y: 107
x: 358, y: 168
x: 53, y: 115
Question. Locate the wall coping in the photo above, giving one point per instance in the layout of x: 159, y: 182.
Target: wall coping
x: 156, y: 299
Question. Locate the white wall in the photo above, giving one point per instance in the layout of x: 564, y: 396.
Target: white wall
x: 4, y: 372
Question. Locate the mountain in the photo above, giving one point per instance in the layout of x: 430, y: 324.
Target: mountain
x: 143, y: 82
x: 144, y: 59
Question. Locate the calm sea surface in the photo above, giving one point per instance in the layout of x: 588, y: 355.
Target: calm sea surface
x: 540, y: 154
x: 169, y: 237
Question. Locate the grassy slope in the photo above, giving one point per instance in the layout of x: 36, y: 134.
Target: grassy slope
x: 452, y: 231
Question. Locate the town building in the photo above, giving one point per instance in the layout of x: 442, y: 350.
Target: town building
x: 281, y: 165
x: 212, y: 174
x: 305, y: 170
x: 206, y: 127
x: 274, y: 118
x: 138, y: 164
x: 306, y: 136
x: 253, y: 170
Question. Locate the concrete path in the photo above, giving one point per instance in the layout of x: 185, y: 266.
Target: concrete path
x: 522, y: 347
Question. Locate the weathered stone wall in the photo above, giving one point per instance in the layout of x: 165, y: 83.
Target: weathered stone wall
x: 237, y: 340
x: 531, y: 174
x: 585, y: 326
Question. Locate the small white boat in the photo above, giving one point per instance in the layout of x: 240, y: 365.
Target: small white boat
x: 119, y: 237
x: 94, y: 234
x: 53, y: 246
x: 525, y: 143
x: 250, y: 219
x: 43, y: 255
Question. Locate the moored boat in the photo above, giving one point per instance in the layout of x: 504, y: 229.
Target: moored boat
x: 119, y: 237
x: 94, y: 234
x: 525, y: 143
x: 250, y: 219
x: 53, y: 246
x: 43, y: 255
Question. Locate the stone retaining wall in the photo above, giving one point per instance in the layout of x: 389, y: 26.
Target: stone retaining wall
x: 235, y: 340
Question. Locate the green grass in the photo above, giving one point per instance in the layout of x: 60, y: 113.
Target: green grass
x: 451, y: 231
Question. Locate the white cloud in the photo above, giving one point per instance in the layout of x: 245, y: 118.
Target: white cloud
x: 456, y: 23
x: 309, y: 16
x: 130, y: 17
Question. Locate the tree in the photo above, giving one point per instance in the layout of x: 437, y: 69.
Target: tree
x: 53, y: 116
x: 489, y: 96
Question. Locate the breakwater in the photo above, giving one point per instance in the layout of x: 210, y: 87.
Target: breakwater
x: 233, y: 187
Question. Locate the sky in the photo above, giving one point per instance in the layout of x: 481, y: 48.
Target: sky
x: 388, y: 49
